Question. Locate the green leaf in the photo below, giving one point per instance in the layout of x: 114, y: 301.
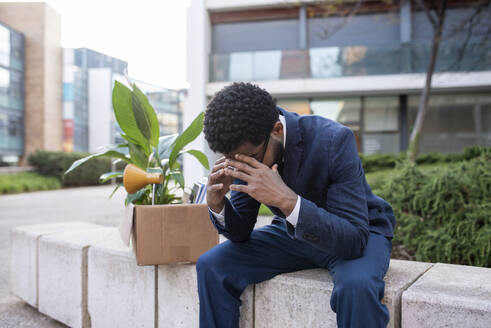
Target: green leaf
x: 199, y: 156
x: 131, y: 198
x: 117, y: 187
x: 129, y: 139
x: 107, y: 153
x: 165, y: 145
x: 191, y: 133
x: 138, y: 156
x: 109, y: 175
x: 122, y: 98
x: 178, y: 177
x: 145, y: 116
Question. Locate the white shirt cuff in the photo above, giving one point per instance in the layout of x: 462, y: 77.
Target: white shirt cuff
x: 293, y: 217
x: 219, y: 216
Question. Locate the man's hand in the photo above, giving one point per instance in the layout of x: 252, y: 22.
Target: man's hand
x: 218, y: 186
x: 263, y: 184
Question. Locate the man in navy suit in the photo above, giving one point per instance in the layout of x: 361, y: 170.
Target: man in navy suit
x: 306, y: 169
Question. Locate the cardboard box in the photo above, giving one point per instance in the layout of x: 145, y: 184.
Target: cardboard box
x: 165, y: 234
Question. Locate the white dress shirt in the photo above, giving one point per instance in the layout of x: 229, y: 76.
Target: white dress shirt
x: 292, y: 218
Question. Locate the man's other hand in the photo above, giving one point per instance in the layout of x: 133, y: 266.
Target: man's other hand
x: 218, y: 186
x: 263, y: 184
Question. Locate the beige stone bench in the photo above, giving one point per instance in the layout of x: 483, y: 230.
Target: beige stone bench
x: 89, y: 269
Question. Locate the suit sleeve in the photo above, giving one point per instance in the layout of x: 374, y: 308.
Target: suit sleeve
x: 341, y: 226
x: 240, y: 215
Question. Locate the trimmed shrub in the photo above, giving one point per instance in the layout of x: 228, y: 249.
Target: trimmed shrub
x: 54, y: 164
x: 376, y: 162
x: 444, y: 215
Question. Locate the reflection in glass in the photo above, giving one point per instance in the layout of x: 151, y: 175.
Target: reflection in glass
x: 324, y: 62
x: 342, y: 110
x: 299, y: 106
x: 381, y: 114
x: 380, y: 143
x: 4, y: 46
x: 255, y: 66
x: 453, y: 122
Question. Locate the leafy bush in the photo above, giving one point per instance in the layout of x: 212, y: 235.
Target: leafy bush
x: 54, y: 164
x: 376, y: 162
x: 444, y: 215
x: 26, y: 181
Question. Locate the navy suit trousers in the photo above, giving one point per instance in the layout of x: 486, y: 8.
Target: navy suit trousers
x: 228, y: 268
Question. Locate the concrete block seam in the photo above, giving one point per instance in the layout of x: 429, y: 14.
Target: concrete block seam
x: 86, y: 321
x: 398, y: 298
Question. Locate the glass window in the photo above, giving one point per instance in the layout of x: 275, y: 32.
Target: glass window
x: 4, y: 87
x: 300, y: 106
x: 325, y: 62
x: 381, y: 114
x: 4, y: 46
x: 4, y: 141
x: 381, y: 125
x: 453, y: 122
x: 380, y: 143
x: 241, y: 66
x: 343, y: 110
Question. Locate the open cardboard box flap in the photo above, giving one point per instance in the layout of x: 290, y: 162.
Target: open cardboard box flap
x: 126, y: 224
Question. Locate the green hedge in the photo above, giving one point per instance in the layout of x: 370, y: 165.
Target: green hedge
x: 376, y: 162
x: 26, y: 181
x: 444, y: 214
x: 54, y: 164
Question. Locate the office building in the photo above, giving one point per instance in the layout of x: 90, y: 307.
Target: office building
x: 88, y: 116
x: 364, y: 70
x: 88, y: 79
x: 30, y: 80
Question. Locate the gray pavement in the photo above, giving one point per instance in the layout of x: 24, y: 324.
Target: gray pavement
x: 89, y: 204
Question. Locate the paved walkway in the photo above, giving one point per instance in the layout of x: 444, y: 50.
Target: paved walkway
x: 89, y: 204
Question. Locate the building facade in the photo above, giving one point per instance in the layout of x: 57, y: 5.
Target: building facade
x: 30, y: 80
x: 88, y: 78
x: 365, y: 70
x: 11, y: 94
x: 88, y: 116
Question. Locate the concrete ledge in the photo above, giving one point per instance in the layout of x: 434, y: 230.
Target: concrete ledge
x: 63, y: 274
x: 120, y: 293
x: 302, y: 298
x: 83, y: 275
x: 449, y: 295
x: 178, y: 301
x: 23, y: 263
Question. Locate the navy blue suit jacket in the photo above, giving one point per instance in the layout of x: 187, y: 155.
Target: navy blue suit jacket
x: 337, y: 209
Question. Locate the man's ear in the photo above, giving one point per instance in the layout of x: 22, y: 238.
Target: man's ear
x: 277, y: 129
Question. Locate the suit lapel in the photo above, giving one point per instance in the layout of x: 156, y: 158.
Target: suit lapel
x: 293, y: 148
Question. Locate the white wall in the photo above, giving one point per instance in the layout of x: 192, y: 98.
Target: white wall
x: 198, y: 49
x: 100, y: 108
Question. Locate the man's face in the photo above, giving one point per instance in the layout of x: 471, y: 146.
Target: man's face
x: 269, y: 152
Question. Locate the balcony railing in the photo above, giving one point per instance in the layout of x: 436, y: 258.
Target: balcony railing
x: 346, y: 61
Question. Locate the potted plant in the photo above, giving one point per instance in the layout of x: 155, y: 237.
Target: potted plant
x: 169, y: 231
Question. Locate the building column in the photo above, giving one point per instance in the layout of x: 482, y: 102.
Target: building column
x: 197, y: 63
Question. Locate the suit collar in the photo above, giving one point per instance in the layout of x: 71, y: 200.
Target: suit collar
x: 293, y: 150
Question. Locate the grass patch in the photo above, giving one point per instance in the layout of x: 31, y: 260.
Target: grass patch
x: 26, y: 181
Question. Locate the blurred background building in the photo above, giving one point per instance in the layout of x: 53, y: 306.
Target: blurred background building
x: 365, y: 71
x: 30, y: 80
x: 61, y: 99
x: 88, y: 77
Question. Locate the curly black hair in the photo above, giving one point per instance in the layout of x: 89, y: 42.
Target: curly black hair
x: 239, y: 113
